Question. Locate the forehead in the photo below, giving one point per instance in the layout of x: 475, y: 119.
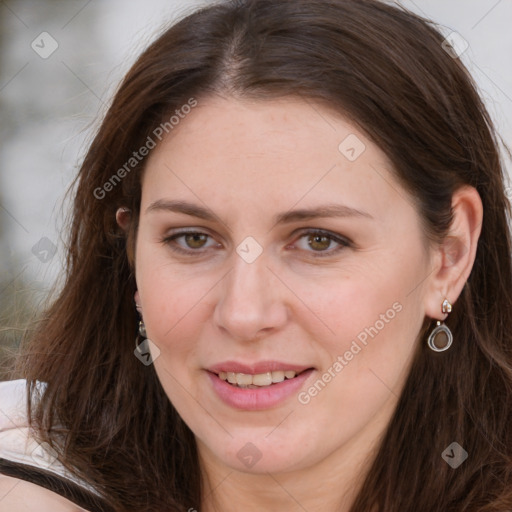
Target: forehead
x: 259, y: 154
x: 281, y: 130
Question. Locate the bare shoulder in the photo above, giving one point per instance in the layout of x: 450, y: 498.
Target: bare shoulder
x: 20, y: 496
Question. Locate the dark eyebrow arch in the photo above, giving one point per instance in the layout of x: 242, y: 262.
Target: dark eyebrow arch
x: 329, y: 210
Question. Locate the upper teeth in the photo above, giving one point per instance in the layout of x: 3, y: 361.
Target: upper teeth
x: 260, y: 379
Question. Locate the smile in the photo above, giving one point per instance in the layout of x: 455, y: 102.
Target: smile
x: 257, y: 391
x: 260, y: 380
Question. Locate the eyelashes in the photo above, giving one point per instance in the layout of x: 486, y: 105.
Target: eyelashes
x: 318, y: 243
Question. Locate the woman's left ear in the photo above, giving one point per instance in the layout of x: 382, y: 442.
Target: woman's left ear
x: 455, y: 257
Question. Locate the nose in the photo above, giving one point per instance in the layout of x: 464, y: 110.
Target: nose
x: 252, y: 301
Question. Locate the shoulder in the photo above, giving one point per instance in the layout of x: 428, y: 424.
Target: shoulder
x: 12, y: 403
x: 21, y: 496
x: 30, y: 473
x: 16, y: 442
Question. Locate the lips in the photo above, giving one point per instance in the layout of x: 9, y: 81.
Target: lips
x: 257, y: 386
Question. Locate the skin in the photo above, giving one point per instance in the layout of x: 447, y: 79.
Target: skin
x: 247, y: 161
x: 20, y: 496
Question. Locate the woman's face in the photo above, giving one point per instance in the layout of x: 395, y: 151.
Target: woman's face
x: 306, y: 258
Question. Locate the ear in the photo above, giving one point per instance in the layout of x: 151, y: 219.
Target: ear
x: 454, y: 258
x: 123, y: 217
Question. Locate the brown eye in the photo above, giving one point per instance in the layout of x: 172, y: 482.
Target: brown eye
x: 319, y: 242
x: 195, y: 240
x: 191, y: 243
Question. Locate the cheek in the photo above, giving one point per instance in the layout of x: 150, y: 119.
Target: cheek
x: 175, y: 309
x: 381, y: 321
x: 358, y: 300
x: 369, y: 323
x: 172, y: 296
x: 365, y: 361
x: 175, y: 313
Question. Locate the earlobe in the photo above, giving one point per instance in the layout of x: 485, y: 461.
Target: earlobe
x: 123, y: 217
x: 457, y: 252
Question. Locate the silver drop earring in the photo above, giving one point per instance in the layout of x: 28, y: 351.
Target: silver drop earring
x: 142, y: 329
x: 441, y: 338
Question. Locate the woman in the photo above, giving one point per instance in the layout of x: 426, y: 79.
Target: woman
x: 297, y: 209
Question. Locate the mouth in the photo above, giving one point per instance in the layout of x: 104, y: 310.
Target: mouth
x: 258, y: 385
x: 259, y: 380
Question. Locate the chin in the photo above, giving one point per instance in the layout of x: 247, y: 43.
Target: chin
x: 257, y: 455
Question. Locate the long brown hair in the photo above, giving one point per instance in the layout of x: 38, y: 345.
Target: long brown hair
x: 387, y: 71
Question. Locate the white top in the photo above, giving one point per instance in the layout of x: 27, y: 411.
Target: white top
x: 16, y: 442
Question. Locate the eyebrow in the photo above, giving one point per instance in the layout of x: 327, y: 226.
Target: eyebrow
x: 325, y: 211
